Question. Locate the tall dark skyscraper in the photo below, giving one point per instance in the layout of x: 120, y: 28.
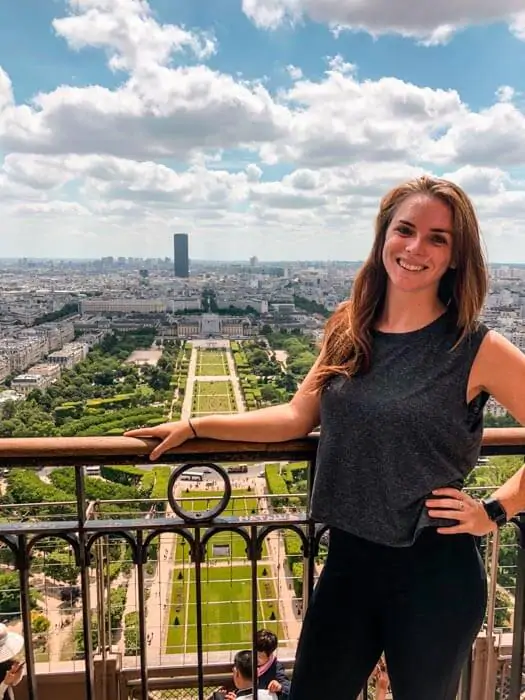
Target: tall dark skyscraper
x: 180, y: 255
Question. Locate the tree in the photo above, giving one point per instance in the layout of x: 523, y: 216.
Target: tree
x: 270, y: 393
x: 39, y: 624
x: 61, y: 566
x: 10, y: 594
x: 104, y: 377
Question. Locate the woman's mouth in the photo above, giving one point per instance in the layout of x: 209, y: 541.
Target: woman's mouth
x: 409, y: 267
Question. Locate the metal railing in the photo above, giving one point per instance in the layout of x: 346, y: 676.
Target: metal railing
x: 85, y: 532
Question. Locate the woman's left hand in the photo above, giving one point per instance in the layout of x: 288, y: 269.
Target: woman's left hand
x: 469, y: 514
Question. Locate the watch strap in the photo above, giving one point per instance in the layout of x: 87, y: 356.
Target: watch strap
x: 495, y: 511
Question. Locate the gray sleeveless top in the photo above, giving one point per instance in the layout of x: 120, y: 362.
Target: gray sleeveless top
x: 393, y: 434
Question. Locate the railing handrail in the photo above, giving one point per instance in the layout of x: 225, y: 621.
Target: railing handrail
x: 52, y: 451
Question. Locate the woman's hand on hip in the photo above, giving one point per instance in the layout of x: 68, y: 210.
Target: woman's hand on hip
x: 469, y: 514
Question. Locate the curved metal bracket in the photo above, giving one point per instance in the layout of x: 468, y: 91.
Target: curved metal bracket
x: 207, y: 515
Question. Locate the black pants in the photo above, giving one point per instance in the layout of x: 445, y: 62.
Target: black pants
x: 421, y: 605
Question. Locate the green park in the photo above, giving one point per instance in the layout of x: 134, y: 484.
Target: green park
x: 225, y: 585
x: 211, y: 363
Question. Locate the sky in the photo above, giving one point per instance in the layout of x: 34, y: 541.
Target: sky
x: 259, y: 127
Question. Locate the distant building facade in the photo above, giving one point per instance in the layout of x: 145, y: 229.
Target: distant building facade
x: 181, y: 264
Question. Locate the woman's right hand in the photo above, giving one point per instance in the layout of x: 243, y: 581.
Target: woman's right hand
x: 171, y: 435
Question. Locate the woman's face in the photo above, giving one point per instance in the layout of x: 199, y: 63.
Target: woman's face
x: 418, y: 244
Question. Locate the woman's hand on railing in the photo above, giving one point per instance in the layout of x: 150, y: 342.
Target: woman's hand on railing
x: 171, y: 434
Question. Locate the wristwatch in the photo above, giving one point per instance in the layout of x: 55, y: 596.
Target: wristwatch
x: 495, y: 511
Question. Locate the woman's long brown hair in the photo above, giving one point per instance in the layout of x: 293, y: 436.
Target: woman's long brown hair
x: 347, y: 343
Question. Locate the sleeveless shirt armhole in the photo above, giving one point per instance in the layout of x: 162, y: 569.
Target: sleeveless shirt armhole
x: 476, y: 406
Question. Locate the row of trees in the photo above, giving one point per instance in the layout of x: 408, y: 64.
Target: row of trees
x: 102, y: 395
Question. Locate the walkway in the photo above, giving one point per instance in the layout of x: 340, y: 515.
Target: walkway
x: 235, y: 382
x: 285, y: 591
x: 190, y: 382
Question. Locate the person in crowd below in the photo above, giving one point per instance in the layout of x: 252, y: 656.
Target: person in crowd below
x: 242, y: 679
x: 11, y: 670
x: 272, y: 675
x: 399, y: 387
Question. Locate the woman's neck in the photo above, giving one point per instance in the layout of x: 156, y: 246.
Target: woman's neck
x: 402, y: 314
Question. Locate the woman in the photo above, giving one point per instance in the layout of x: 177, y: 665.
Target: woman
x: 11, y: 671
x: 399, y: 388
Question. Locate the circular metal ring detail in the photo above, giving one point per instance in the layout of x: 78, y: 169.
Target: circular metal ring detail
x: 204, y: 515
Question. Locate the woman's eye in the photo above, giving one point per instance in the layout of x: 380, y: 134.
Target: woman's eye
x: 404, y: 230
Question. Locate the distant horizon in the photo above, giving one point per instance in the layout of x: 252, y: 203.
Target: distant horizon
x: 203, y: 261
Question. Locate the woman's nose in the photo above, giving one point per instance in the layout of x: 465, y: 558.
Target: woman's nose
x: 415, y: 245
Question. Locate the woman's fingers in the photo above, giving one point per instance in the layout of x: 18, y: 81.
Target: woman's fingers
x: 160, y: 449
x: 141, y: 432
x: 444, y: 503
x: 169, y: 433
x: 449, y: 514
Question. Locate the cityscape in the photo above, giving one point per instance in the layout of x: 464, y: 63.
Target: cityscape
x: 96, y: 347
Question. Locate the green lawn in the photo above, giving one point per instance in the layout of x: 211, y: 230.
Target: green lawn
x: 226, y: 610
x: 241, y: 503
x: 213, y: 397
x: 226, y: 588
x: 212, y: 363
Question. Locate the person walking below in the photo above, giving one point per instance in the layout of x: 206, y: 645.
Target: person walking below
x: 404, y: 372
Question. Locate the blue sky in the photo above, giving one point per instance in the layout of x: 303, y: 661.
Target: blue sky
x: 259, y: 131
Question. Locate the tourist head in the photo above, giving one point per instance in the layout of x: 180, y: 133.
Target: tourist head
x: 11, y: 644
x: 242, y: 669
x: 266, y: 644
x: 427, y: 248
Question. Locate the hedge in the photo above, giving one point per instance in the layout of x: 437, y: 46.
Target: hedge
x: 276, y: 485
x: 131, y: 634
x: 127, y: 476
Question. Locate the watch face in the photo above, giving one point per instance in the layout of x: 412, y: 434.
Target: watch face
x: 495, y: 511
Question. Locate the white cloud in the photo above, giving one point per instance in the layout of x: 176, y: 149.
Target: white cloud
x: 128, y: 31
x: 494, y: 136
x: 430, y: 22
x: 170, y: 112
x: 505, y: 93
x: 294, y: 72
x: 340, y: 119
x: 94, y: 171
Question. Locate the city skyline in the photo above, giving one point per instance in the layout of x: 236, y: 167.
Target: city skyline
x: 269, y: 126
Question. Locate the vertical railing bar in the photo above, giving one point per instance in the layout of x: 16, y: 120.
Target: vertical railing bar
x: 106, y: 584
x: 80, y: 491
x: 23, y: 565
x: 518, y: 627
x: 198, y: 556
x: 254, y: 602
x: 99, y: 574
x: 309, y: 555
x: 491, y: 608
x: 143, y: 653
